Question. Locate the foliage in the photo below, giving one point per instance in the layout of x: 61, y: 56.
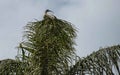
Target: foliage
x: 106, y: 61
x: 48, y: 46
x: 11, y: 67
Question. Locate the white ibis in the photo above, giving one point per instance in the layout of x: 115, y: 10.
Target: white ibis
x: 49, y: 13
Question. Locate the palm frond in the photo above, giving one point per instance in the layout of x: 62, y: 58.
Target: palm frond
x: 106, y: 61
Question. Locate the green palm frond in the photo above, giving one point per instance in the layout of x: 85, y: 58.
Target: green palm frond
x: 106, y: 61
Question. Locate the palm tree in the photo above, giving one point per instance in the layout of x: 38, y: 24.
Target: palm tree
x: 48, y: 46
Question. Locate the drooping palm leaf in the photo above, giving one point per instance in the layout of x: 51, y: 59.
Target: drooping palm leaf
x: 106, y: 61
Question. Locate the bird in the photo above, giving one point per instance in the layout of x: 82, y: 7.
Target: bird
x: 49, y: 14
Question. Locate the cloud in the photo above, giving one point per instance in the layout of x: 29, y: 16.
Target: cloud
x: 97, y: 22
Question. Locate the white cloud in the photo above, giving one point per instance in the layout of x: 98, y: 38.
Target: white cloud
x: 98, y: 22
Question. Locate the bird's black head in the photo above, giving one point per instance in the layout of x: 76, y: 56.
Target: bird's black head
x: 48, y: 11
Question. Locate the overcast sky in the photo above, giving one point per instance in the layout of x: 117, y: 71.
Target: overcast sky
x: 97, y: 22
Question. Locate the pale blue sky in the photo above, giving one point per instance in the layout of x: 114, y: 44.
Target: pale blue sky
x: 97, y: 22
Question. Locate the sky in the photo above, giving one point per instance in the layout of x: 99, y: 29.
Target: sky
x: 97, y: 22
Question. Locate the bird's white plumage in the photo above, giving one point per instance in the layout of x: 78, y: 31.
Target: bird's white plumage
x: 50, y: 14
